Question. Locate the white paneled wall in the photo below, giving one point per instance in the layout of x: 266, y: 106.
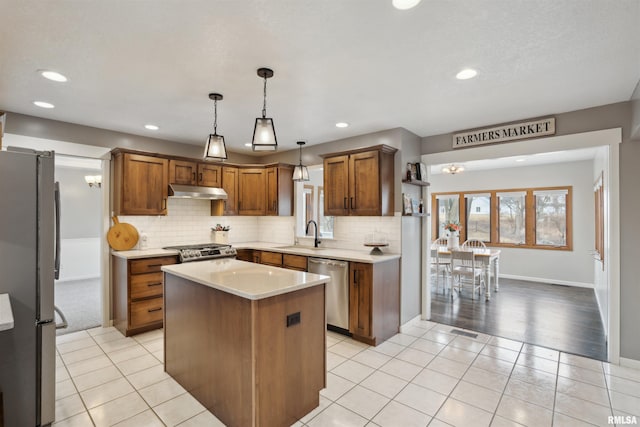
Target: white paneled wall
x: 190, y: 221
x: 276, y: 229
x: 349, y: 232
x: 79, y: 259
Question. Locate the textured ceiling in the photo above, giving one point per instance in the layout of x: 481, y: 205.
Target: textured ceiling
x: 359, y: 61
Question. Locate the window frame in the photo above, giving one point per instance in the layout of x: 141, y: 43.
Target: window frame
x: 494, y: 217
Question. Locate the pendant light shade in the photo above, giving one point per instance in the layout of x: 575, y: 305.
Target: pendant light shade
x: 215, y: 148
x: 264, y: 133
x: 300, y: 172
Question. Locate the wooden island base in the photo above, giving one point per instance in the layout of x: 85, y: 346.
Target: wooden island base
x: 239, y: 358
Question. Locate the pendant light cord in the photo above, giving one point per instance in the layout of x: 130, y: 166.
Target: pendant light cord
x: 215, y: 116
x: 264, y: 103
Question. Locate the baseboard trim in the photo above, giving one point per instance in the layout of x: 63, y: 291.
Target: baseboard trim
x: 407, y: 324
x: 630, y: 363
x: 75, y: 279
x: 549, y: 281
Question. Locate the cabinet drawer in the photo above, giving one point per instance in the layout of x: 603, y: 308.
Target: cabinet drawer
x: 150, y: 265
x: 295, y: 262
x: 271, y: 258
x: 146, y: 285
x: 146, y: 311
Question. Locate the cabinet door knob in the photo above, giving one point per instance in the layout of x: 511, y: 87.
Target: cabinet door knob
x: 194, y: 176
x: 200, y: 177
x: 345, y: 203
x: 352, y: 203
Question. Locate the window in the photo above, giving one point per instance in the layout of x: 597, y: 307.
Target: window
x: 448, y: 211
x: 551, y: 217
x: 512, y: 218
x: 324, y: 222
x: 535, y: 218
x: 478, y: 218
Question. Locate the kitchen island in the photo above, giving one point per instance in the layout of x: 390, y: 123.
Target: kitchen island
x: 246, y: 340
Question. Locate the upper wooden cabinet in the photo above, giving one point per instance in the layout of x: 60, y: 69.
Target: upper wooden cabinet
x: 230, y: 185
x: 359, y: 182
x: 193, y: 173
x: 279, y: 181
x: 140, y: 184
x: 252, y: 198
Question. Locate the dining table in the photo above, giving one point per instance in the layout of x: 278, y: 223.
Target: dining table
x: 489, y: 258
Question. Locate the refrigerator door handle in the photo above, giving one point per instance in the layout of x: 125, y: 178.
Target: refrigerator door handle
x: 63, y: 320
x: 57, y: 215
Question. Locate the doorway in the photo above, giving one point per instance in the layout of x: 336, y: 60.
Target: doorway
x: 605, y: 284
x: 78, y: 290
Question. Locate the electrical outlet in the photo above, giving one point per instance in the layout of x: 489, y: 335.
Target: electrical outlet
x: 293, y: 319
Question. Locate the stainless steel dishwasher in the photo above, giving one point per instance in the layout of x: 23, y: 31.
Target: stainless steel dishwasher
x: 337, y: 291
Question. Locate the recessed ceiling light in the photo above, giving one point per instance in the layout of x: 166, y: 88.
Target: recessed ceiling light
x: 467, y: 73
x: 248, y: 144
x: 53, y: 75
x: 404, y: 4
x: 342, y: 124
x: 151, y: 127
x: 43, y: 104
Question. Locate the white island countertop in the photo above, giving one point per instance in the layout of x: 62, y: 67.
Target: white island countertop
x: 245, y: 279
x: 6, y: 315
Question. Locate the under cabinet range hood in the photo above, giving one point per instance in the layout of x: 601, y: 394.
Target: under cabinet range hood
x: 194, y: 192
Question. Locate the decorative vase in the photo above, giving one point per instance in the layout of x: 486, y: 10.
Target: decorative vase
x: 221, y: 237
x: 453, y: 242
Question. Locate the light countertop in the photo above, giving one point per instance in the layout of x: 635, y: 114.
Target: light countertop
x: 245, y: 279
x: 6, y: 315
x: 330, y: 253
x: 144, y: 253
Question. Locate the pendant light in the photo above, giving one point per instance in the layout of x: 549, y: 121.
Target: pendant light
x: 264, y: 134
x: 215, y: 148
x: 300, y: 172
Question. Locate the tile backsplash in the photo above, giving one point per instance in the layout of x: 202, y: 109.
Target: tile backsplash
x: 189, y: 221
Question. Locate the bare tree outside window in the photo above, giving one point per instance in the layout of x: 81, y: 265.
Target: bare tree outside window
x: 512, y: 218
x: 448, y: 212
x: 551, y: 219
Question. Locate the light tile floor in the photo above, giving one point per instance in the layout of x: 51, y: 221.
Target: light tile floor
x: 424, y: 376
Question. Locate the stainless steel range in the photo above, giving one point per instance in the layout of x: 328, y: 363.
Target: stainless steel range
x: 203, y: 251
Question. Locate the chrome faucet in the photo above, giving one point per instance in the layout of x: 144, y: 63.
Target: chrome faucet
x: 316, y: 241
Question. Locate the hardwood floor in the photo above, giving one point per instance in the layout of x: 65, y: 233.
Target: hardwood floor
x: 563, y: 318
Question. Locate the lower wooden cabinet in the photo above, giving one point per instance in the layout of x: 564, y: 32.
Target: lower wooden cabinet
x: 138, y: 293
x: 294, y: 262
x: 374, y: 301
x: 271, y: 258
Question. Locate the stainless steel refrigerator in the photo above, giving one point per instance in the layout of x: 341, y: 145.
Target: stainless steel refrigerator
x: 28, y: 265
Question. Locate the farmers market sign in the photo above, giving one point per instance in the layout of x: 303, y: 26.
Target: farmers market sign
x: 510, y: 132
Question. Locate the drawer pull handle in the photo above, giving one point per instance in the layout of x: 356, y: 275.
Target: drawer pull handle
x: 154, y: 284
x: 151, y: 310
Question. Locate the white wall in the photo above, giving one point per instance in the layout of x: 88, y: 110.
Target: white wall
x: 79, y: 259
x: 560, y: 267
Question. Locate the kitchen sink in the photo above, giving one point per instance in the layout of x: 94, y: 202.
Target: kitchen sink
x: 311, y: 248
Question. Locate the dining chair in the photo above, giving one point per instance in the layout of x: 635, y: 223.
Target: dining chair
x: 473, y: 244
x: 465, y: 270
x: 438, y: 264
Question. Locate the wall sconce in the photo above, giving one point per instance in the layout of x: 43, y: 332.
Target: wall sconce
x: 94, y: 180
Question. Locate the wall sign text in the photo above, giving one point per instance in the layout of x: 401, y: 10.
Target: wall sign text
x: 504, y: 133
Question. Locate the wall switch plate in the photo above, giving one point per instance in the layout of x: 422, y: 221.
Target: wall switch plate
x: 293, y: 319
